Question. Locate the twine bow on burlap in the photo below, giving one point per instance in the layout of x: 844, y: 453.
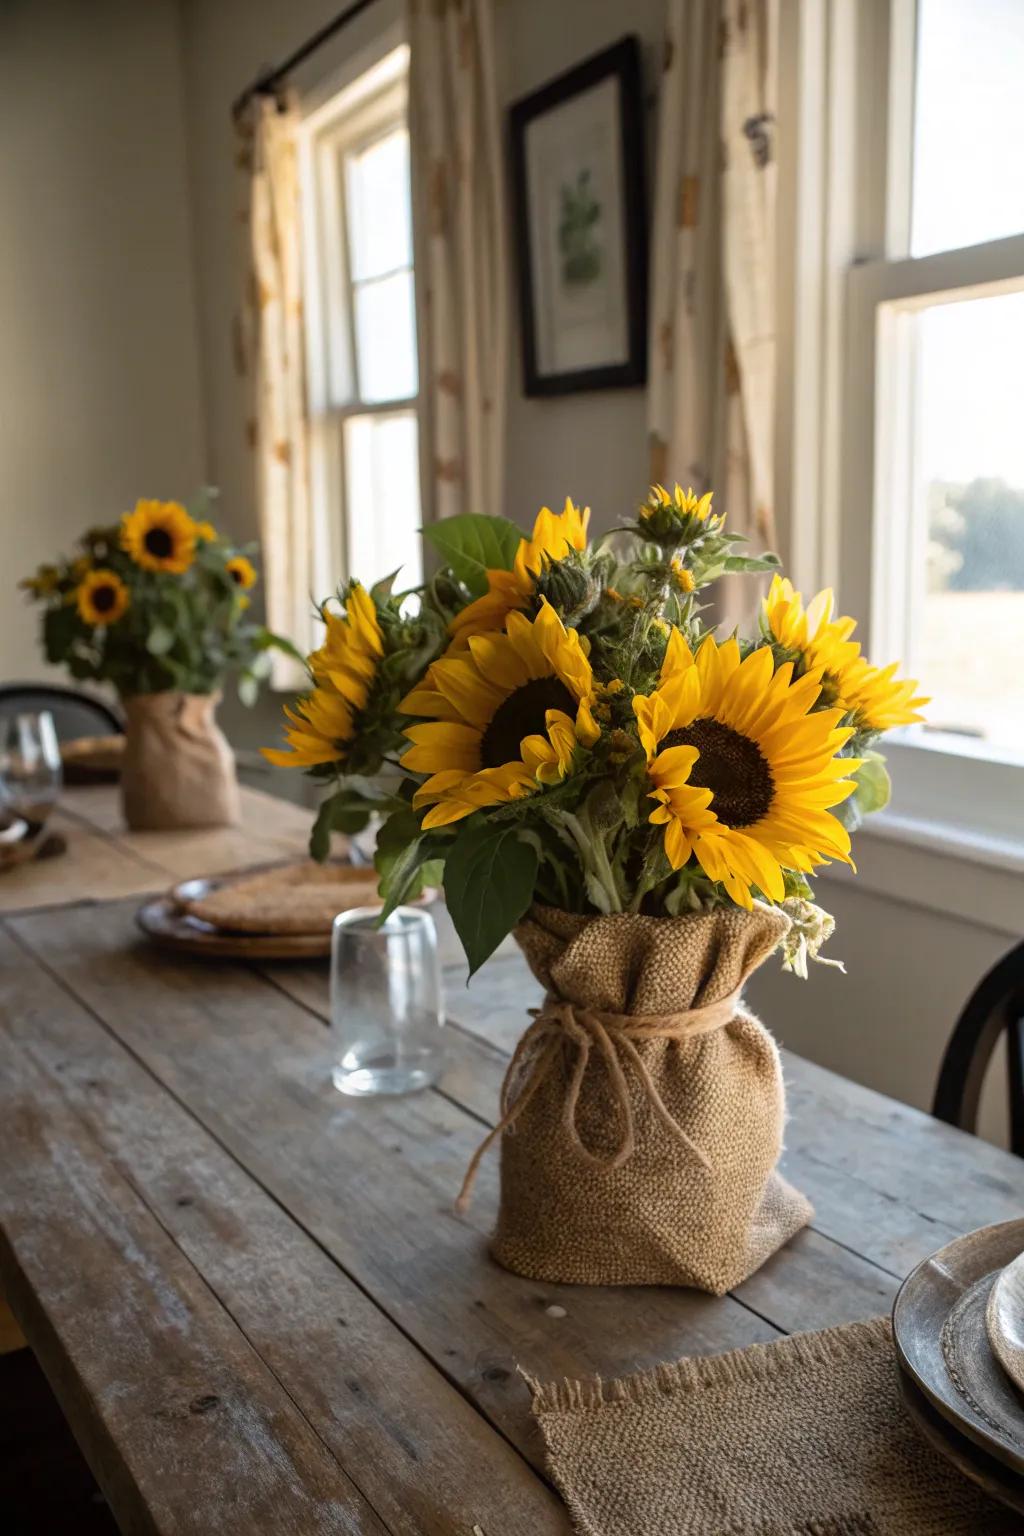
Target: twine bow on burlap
x: 615, y: 1037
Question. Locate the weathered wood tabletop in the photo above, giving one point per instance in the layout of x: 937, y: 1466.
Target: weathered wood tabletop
x: 253, y: 1297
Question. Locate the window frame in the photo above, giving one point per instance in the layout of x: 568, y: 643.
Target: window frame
x: 366, y: 110
x: 848, y: 288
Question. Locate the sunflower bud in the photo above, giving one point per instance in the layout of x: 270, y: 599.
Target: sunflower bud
x: 569, y: 587
x: 677, y: 517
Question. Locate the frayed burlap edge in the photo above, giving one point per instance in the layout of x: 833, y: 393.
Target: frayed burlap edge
x: 751, y: 1363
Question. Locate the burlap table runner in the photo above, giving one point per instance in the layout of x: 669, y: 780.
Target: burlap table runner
x: 803, y: 1437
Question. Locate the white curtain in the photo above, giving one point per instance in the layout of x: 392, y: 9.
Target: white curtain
x: 271, y: 353
x: 462, y: 254
x: 712, y: 344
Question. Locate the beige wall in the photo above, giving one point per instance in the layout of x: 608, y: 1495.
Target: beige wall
x: 594, y: 445
x: 99, y: 375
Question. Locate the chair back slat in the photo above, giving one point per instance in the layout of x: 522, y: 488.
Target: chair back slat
x: 74, y: 712
x: 995, y: 1008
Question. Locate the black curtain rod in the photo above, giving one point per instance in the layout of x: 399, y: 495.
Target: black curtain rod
x: 266, y: 83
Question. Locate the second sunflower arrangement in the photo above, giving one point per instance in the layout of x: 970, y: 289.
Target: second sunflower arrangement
x: 554, y: 720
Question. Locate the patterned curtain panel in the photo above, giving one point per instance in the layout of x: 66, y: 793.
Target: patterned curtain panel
x: 711, y: 401
x: 462, y: 254
x: 271, y: 354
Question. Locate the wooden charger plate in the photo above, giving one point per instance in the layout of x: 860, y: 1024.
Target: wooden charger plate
x: 942, y: 1342
x: 163, y: 920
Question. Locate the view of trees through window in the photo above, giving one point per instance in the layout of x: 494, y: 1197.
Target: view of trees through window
x: 972, y: 636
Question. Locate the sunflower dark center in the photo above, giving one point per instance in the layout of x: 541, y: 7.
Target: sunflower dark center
x: 103, y: 599
x: 522, y: 714
x: 731, y: 766
x: 158, y: 543
x: 236, y: 575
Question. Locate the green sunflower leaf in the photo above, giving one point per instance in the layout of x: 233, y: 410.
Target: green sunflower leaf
x: 406, y: 859
x: 489, y: 878
x: 873, y: 784
x: 751, y: 563
x: 473, y: 544
x: 338, y: 813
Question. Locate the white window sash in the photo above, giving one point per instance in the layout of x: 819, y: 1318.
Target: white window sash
x: 846, y: 384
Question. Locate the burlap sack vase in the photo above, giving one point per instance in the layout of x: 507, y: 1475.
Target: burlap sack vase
x: 178, y: 770
x: 644, y: 1108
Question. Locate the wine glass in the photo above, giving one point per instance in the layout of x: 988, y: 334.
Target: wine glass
x: 30, y: 768
x: 387, y: 1016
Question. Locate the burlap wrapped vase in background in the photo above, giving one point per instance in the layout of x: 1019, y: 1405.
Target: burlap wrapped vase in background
x: 643, y: 1111
x: 178, y: 770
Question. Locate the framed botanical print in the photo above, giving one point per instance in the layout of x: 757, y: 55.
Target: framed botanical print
x: 581, y: 226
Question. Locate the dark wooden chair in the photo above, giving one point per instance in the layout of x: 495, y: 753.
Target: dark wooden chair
x: 74, y: 713
x: 997, y: 1004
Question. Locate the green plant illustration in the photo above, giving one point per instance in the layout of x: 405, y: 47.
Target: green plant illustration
x: 578, y: 245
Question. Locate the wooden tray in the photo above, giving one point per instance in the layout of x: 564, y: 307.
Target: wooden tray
x: 942, y: 1342
x: 163, y: 920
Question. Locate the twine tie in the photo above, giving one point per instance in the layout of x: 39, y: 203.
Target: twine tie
x: 615, y: 1037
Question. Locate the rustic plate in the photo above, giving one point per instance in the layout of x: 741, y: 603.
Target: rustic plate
x: 942, y: 1342
x: 162, y: 920
x: 985, y: 1470
x: 1005, y: 1320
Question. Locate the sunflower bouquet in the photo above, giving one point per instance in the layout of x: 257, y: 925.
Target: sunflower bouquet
x: 158, y: 601
x: 558, y: 722
x: 157, y: 607
x: 554, y: 729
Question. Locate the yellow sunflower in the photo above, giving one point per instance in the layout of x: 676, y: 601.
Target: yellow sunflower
x: 325, y: 721
x: 679, y: 514
x: 554, y: 537
x: 686, y: 502
x: 504, y: 715
x: 206, y: 531
x: 744, y: 774
x: 102, y: 598
x: 242, y: 572
x: 159, y: 536
x: 876, y: 698
x: 44, y: 583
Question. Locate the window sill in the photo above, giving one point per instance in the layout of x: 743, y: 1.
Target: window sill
x: 948, y: 840
x: 974, y: 877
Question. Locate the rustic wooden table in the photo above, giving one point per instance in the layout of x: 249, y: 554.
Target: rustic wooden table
x: 253, y: 1297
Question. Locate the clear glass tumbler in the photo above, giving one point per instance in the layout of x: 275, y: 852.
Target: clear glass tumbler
x: 387, y: 1015
x: 30, y: 768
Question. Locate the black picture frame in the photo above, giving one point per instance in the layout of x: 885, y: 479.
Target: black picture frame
x: 621, y: 61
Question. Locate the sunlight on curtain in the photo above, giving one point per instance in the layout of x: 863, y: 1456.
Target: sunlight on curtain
x: 462, y: 243
x: 272, y: 355
x: 712, y: 340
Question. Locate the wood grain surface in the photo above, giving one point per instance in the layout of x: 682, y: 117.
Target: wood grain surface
x: 189, y: 1209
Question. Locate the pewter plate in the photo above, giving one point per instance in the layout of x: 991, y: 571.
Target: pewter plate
x: 1004, y: 1320
x: 942, y: 1341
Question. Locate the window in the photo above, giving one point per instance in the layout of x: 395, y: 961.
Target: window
x: 361, y: 328
x: 926, y: 525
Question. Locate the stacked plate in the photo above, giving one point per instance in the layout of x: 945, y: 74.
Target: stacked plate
x: 958, y: 1324
x: 274, y: 912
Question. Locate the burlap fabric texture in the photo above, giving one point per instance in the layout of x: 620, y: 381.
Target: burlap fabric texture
x: 643, y: 1111
x: 803, y: 1437
x: 178, y: 770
